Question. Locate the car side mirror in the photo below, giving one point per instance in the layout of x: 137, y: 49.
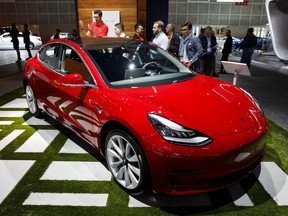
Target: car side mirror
x: 72, y: 79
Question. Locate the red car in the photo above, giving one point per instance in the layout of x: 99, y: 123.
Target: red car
x: 159, y: 125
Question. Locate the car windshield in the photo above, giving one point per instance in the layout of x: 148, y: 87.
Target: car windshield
x: 136, y: 63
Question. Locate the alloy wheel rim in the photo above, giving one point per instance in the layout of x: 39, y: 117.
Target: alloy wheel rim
x: 31, y: 101
x: 123, y: 162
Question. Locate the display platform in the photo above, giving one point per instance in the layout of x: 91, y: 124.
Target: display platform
x: 45, y: 169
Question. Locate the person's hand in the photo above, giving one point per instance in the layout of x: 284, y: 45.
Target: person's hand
x: 81, y: 23
x: 188, y: 65
x: 88, y: 33
x: 89, y: 27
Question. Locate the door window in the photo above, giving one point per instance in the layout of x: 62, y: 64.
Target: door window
x: 50, y: 56
x: 72, y: 63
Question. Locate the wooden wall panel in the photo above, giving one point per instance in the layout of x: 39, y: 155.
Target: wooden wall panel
x: 127, y: 8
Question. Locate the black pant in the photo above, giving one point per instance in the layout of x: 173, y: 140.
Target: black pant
x: 224, y: 58
x: 28, y: 49
x: 196, y: 66
x: 247, y: 55
x: 207, y: 63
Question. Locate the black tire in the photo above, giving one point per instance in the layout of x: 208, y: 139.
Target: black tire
x: 32, y: 102
x: 126, y: 162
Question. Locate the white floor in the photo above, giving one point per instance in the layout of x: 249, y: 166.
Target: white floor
x: 39, y: 141
x: 71, y: 147
x: 67, y: 199
x: 136, y: 203
x: 244, y: 200
x: 11, y: 172
x: 76, y: 171
x: 6, y: 122
x: 9, y: 138
x: 35, y: 121
x: 16, y: 103
x: 14, y: 114
x: 273, y: 179
x: 275, y: 182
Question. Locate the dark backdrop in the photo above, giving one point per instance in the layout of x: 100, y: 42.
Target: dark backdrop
x: 155, y: 10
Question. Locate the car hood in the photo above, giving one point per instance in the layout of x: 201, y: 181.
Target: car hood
x: 202, y: 103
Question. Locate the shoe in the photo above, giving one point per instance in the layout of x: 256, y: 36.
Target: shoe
x: 18, y: 61
x: 215, y: 75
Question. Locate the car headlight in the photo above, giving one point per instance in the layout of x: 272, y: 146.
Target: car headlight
x: 177, y: 134
x: 255, y: 101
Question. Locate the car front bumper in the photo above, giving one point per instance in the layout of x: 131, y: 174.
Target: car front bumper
x: 188, y: 170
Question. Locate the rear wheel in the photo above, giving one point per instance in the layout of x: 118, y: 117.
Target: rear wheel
x: 126, y: 162
x: 32, y: 102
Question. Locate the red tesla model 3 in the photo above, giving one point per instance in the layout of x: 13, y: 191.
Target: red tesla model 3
x: 159, y: 125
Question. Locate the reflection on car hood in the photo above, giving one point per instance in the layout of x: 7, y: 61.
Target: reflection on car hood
x: 201, y: 103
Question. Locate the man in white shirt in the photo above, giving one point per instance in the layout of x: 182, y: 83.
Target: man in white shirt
x: 160, y: 38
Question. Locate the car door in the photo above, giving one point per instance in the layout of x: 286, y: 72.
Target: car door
x: 45, y: 75
x: 77, y: 104
x: 72, y: 106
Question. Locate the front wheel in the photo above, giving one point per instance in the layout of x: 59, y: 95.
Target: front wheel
x: 126, y: 162
x: 32, y: 102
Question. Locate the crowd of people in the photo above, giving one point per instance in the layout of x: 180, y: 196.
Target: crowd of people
x: 14, y: 33
x: 197, y: 52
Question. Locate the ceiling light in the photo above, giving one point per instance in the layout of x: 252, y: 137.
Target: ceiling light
x: 230, y: 0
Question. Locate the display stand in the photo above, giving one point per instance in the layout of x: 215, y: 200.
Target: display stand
x: 236, y: 69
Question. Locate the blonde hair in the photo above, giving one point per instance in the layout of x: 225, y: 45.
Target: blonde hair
x: 159, y: 23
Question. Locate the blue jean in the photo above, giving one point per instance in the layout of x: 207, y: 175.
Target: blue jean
x: 247, y: 55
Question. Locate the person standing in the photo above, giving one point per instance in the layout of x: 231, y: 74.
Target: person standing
x: 173, y: 40
x: 74, y: 33
x: 248, y: 45
x: 139, y: 32
x: 160, y: 38
x: 190, y: 48
x: 14, y: 33
x: 227, y: 49
x: 98, y: 28
x: 119, y: 30
x: 209, y: 44
x: 26, y: 40
x: 202, y: 32
x: 57, y: 34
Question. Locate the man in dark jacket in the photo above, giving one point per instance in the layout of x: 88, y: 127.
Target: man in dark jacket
x: 248, y: 45
x: 190, y: 48
x: 57, y: 34
x: 14, y: 33
x: 226, y: 49
x: 173, y: 40
x: 26, y: 40
x: 209, y: 45
x: 139, y: 32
